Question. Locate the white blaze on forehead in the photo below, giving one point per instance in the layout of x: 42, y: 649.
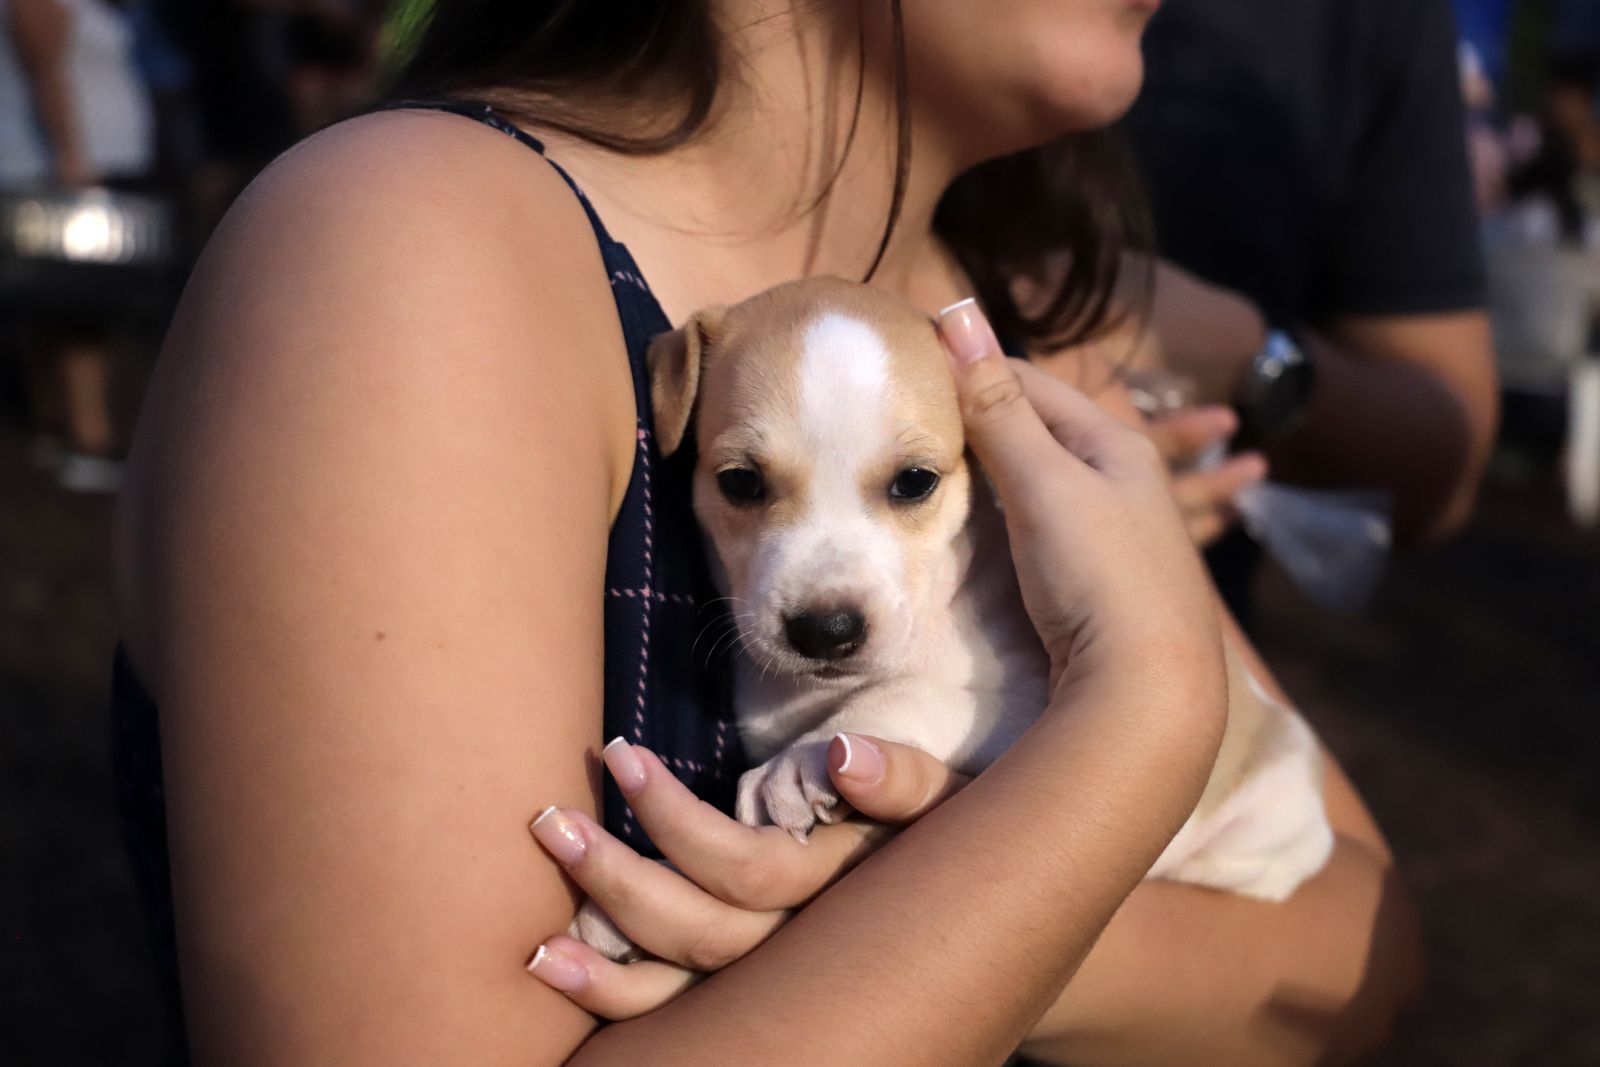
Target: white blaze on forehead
x: 844, y: 390
x: 838, y: 545
x: 838, y: 550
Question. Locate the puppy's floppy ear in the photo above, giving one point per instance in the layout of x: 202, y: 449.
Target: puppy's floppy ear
x: 675, y: 358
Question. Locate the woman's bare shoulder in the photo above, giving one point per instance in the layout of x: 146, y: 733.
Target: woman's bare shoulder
x: 407, y: 213
x: 413, y: 284
x: 413, y: 209
x: 441, y: 165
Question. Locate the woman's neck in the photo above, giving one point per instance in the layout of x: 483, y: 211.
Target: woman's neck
x: 776, y: 187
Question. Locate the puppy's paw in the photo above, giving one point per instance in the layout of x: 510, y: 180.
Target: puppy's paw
x: 791, y: 790
x: 594, y: 928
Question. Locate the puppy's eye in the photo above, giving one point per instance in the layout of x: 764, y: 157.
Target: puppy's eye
x: 913, y: 484
x: 741, y: 485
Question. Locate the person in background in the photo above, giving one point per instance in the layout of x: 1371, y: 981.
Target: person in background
x: 1484, y: 26
x: 74, y: 113
x: 1319, y: 264
x: 1557, y: 81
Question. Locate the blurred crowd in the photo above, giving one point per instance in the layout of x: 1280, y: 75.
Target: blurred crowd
x: 126, y: 129
x: 1529, y: 74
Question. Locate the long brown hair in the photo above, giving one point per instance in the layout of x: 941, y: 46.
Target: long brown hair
x: 1060, y: 216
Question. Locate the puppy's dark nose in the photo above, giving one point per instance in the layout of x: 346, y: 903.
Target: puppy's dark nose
x: 826, y: 634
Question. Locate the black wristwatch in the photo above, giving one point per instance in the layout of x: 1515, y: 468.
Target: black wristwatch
x: 1275, y: 390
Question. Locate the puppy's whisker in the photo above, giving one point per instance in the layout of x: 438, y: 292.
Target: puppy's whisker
x: 731, y: 648
x: 723, y: 641
x: 701, y: 635
x: 738, y: 643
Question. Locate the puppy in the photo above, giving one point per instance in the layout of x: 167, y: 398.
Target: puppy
x: 872, y: 583
x: 872, y: 586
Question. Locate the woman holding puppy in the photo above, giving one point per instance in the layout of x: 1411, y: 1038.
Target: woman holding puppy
x: 399, y: 550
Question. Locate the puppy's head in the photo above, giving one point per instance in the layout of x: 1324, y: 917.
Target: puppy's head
x: 831, y: 479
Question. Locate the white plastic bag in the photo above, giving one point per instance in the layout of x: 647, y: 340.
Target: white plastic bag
x: 1333, y: 543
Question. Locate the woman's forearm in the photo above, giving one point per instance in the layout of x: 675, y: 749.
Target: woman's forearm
x: 1316, y: 979
x: 947, y: 945
x: 1311, y: 980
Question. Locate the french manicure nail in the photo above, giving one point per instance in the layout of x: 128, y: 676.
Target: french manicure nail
x: 558, y: 971
x: 862, y: 762
x: 560, y: 836
x: 967, y: 332
x: 625, y: 766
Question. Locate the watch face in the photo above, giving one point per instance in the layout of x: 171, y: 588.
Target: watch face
x: 1277, y: 387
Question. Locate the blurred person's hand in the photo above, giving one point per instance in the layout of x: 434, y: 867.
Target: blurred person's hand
x: 1205, y: 494
x: 1402, y: 403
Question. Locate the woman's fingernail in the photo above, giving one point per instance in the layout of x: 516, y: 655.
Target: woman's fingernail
x: 967, y: 332
x: 1255, y: 467
x: 560, y: 836
x: 558, y: 971
x: 625, y: 766
x: 860, y: 760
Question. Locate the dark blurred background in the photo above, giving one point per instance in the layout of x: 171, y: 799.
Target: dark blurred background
x: 1465, y: 701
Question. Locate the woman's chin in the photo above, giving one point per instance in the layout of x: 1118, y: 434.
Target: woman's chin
x: 1090, y: 95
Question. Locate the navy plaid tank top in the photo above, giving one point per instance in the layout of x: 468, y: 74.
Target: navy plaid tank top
x: 661, y: 608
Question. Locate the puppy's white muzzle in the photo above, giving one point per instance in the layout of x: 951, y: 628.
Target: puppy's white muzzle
x: 828, y: 595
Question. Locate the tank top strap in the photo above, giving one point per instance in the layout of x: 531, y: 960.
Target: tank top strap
x: 486, y: 114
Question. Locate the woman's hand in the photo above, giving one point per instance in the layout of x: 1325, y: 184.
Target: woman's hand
x: 1093, y: 527
x: 1204, y: 495
x: 729, y: 886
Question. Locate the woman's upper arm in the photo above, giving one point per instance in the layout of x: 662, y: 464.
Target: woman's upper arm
x: 370, y: 511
